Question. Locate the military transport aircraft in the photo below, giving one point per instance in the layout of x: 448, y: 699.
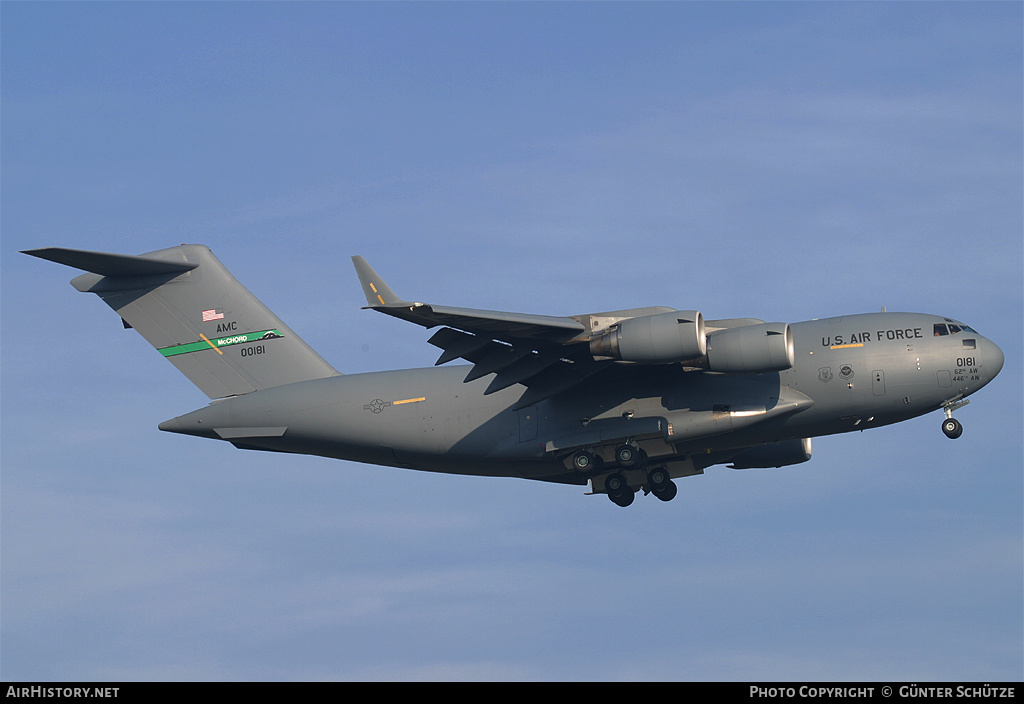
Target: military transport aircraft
x: 620, y: 401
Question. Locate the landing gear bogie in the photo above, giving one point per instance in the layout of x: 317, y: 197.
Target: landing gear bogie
x: 661, y: 484
x: 617, y: 487
x: 621, y: 486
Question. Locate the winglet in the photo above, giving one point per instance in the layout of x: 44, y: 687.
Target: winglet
x: 377, y: 292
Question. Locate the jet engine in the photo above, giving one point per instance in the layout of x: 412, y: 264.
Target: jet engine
x: 675, y: 336
x: 767, y: 347
x: 776, y: 454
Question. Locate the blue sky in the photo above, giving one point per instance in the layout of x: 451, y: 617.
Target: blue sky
x: 777, y: 160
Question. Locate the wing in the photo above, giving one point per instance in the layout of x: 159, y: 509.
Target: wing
x: 547, y: 354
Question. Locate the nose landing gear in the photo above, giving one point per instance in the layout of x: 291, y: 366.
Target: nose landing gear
x: 951, y: 427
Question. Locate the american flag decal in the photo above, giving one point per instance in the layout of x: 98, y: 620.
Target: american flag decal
x: 212, y: 314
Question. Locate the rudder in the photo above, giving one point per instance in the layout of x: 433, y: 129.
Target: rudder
x: 197, y: 315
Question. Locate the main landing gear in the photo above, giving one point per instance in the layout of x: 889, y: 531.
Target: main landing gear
x: 631, y: 463
x: 618, y: 489
x: 661, y: 483
x: 951, y: 427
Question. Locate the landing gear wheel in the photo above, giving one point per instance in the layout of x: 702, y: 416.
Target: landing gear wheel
x: 623, y: 500
x: 952, y: 428
x: 584, y: 461
x: 658, y: 478
x: 666, y: 493
x: 616, y: 485
x: 660, y: 481
x: 618, y: 489
x: 629, y: 456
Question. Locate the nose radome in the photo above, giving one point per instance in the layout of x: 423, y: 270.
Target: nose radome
x: 993, y: 358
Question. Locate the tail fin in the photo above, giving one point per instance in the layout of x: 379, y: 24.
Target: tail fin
x: 189, y: 307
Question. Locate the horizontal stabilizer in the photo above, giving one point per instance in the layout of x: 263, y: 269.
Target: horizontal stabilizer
x: 106, y: 264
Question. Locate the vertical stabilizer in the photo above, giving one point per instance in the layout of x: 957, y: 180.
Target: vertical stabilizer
x: 196, y: 314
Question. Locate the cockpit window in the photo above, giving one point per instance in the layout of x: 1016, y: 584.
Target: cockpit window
x: 940, y: 330
x: 954, y: 328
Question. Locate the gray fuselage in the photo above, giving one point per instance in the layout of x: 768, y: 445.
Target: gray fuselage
x: 851, y: 373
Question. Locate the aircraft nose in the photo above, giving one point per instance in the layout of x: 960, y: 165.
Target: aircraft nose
x: 993, y: 358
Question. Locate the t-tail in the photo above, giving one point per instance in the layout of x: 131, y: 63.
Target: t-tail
x: 197, y: 315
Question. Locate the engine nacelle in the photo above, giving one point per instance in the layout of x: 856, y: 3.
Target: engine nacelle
x: 767, y: 347
x: 676, y: 336
x: 776, y: 454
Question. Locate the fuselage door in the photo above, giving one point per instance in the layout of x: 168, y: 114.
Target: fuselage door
x: 878, y: 382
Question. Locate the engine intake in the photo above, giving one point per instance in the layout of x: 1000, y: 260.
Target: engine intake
x: 767, y: 347
x: 676, y: 336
